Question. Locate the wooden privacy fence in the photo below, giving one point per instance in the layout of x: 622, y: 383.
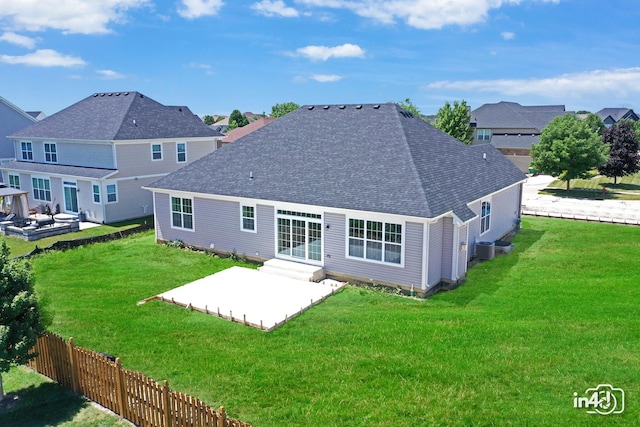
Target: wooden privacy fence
x: 129, y: 394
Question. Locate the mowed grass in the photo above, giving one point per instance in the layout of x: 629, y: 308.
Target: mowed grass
x: 627, y: 188
x: 556, y: 316
x: 32, y: 401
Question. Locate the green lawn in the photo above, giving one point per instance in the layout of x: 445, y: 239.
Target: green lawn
x: 20, y: 246
x: 33, y: 401
x: 627, y: 188
x: 556, y: 316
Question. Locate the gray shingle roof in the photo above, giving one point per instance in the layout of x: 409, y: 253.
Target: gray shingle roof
x: 617, y: 114
x: 375, y: 158
x: 118, y: 116
x: 51, y: 169
x: 511, y: 115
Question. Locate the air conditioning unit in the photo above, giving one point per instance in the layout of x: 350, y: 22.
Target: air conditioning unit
x: 485, y: 250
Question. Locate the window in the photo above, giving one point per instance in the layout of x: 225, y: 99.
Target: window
x: 27, y: 150
x: 156, y: 151
x: 484, y: 134
x: 181, y: 152
x: 41, y: 189
x: 14, y: 181
x: 485, y: 217
x: 96, y: 193
x: 50, y: 152
x: 248, y: 218
x: 375, y: 240
x: 112, y: 193
x: 182, y: 213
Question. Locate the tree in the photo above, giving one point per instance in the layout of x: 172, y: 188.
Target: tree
x: 20, y: 319
x: 595, y: 123
x: 455, y: 120
x: 623, y: 151
x: 208, y: 119
x: 237, y: 120
x: 568, y: 149
x: 280, y: 110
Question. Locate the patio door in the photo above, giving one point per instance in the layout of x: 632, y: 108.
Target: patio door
x: 299, y: 236
x: 70, y: 196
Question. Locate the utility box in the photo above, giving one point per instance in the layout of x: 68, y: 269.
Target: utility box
x: 485, y: 250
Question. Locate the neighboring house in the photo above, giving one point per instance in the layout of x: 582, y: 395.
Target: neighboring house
x: 12, y: 119
x: 367, y: 192
x: 513, y: 128
x: 610, y: 116
x: 94, y: 156
x: 237, y: 133
x: 38, y: 115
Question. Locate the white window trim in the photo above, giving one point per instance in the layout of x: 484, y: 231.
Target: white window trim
x: 50, y: 189
x: 153, y: 152
x: 22, y: 151
x: 93, y: 193
x: 384, y: 222
x: 9, y: 176
x: 178, y: 152
x: 193, y: 213
x: 106, y: 187
x: 51, y: 153
x: 481, y: 218
x: 255, y: 218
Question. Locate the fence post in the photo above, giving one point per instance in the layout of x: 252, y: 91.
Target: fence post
x: 167, y: 403
x: 222, y: 417
x: 75, y: 384
x: 120, y: 388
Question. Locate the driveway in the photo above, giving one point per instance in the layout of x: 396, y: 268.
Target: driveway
x: 620, y: 211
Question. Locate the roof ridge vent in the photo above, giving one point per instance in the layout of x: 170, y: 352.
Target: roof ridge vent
x: 359, y: 107
x: 326, y: 107
x: 342, y: 107
x: 376, y: 107
x: 310, y: 107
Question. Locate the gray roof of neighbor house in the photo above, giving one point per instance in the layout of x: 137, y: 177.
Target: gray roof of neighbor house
x: 376, y: 158
x: 511, y: 115
x: 617, y: 114
x: 118, y: 116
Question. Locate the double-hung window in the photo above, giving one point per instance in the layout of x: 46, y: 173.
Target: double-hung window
x: 50, y: 152
x: 96, y: 193
x: 156, y: 151
x: 181, y: 152
x: 182, y: 213
x: 248, y: 218
x: 26, y: 148
x: 41, y: 189
x: 375, y: 240
x: 485, y: 217
x: 112, y: 193
x: 14, y: 181
x: 484, y: 134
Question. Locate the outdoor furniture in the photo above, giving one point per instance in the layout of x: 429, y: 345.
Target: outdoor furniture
x: 41, y: 222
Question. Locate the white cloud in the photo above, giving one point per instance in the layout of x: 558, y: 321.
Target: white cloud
x: 621, y: 82
x: 68, y: 16
x: 324, y: 78
x: 507, y: 35
x: 17, y: 39
x: 110, y: 74
x: 44, y: 58
x: 196, y: 8
x: 275, y: 8
x: 423, y: 14
x: 322, y: 53
x: 206, y: 67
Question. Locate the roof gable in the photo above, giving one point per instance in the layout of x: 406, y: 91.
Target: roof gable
x: 118, y: 116
x: 376, y: 158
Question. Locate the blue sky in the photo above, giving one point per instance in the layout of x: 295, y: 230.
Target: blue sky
x: 215, y: 56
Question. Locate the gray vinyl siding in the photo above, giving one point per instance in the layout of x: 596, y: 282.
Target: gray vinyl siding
x: 132, y: 202
x: 86, y: 155
x: 217, y: 223
x: 435, y: 252
x: 505, y: 209
x: 336, y: 260
x: 10, y: 122
x: 447, y: 248
x: 134, y: 159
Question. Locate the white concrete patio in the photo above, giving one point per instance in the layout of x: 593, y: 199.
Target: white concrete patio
x: 254, y: 298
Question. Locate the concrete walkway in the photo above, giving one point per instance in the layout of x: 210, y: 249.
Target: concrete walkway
x: 617, y: 211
